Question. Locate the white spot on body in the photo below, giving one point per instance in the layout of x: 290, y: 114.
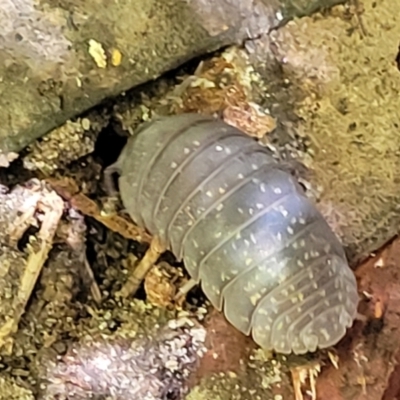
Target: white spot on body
x: 271, y: 272
x: 283, y: 211
x: 254, y: 299
x: 277, y: 190
x: 215, y: 289
x: 249, y: 287
x: 219, y: 148
x: 220, y: 207
x: 325, y: 334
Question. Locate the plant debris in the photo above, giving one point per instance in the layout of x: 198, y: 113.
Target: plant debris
x: 33, y: 204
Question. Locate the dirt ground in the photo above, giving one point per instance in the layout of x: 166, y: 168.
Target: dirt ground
x: 67, y: 247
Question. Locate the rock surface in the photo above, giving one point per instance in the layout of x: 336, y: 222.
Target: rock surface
x: 58, y: 59
x: 341, y: 81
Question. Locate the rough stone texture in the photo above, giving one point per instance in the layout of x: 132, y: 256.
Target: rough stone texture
x: 344, y: 86
x: 60, y: 58
x: 301, y: 8
x: 126, y: 364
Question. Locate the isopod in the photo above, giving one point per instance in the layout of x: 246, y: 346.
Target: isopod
x: 244, y: 228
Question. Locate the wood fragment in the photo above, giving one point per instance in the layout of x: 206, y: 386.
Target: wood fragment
x: 139, y: 273
x: 161, y: 284
x: 51, y: 207
x: 25, y: 219
x: 68, y: 189
x: 305, y: 376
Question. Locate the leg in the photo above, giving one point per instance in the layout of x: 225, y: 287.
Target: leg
x: 183, y: 290
x: 147, y: 262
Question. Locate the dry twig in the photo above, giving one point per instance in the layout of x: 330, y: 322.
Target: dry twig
x: 144, y: 266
